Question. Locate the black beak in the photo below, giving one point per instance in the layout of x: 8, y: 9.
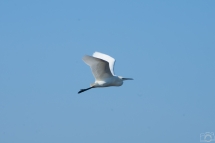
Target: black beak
x: 127, y: 78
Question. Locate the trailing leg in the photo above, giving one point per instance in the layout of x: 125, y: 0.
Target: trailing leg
x: 82, y: 90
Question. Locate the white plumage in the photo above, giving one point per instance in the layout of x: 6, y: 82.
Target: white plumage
x: 102, y: 67
x: 107, y: 58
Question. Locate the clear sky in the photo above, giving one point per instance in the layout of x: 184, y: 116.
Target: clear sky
x: 167, y: 47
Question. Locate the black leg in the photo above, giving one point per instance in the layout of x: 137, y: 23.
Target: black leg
x: 82, y: 90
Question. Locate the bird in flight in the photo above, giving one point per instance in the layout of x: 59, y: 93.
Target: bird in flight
x: 102, y: 69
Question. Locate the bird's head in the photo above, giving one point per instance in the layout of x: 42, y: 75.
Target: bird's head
x: 122, y: 78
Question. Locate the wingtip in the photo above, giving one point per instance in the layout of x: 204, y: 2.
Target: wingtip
x: 96, y: 53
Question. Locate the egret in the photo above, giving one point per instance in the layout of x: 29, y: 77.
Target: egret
x: 102, y: 69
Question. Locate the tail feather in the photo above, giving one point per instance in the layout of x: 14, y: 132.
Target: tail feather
x: 92, y: 84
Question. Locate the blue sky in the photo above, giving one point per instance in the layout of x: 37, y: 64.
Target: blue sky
x: 167, y: 47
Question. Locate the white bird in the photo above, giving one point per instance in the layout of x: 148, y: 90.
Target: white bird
x: 102, y: 69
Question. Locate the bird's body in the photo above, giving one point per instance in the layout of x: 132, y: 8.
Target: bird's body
x: 102, y: 68
x: 111, y: 81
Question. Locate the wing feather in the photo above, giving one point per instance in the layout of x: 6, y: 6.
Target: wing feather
x: 99, y: 67
x: 107, y: 58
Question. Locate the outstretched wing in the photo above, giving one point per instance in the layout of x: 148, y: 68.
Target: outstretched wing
x: 107, y: 58
x: 99, y: 67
